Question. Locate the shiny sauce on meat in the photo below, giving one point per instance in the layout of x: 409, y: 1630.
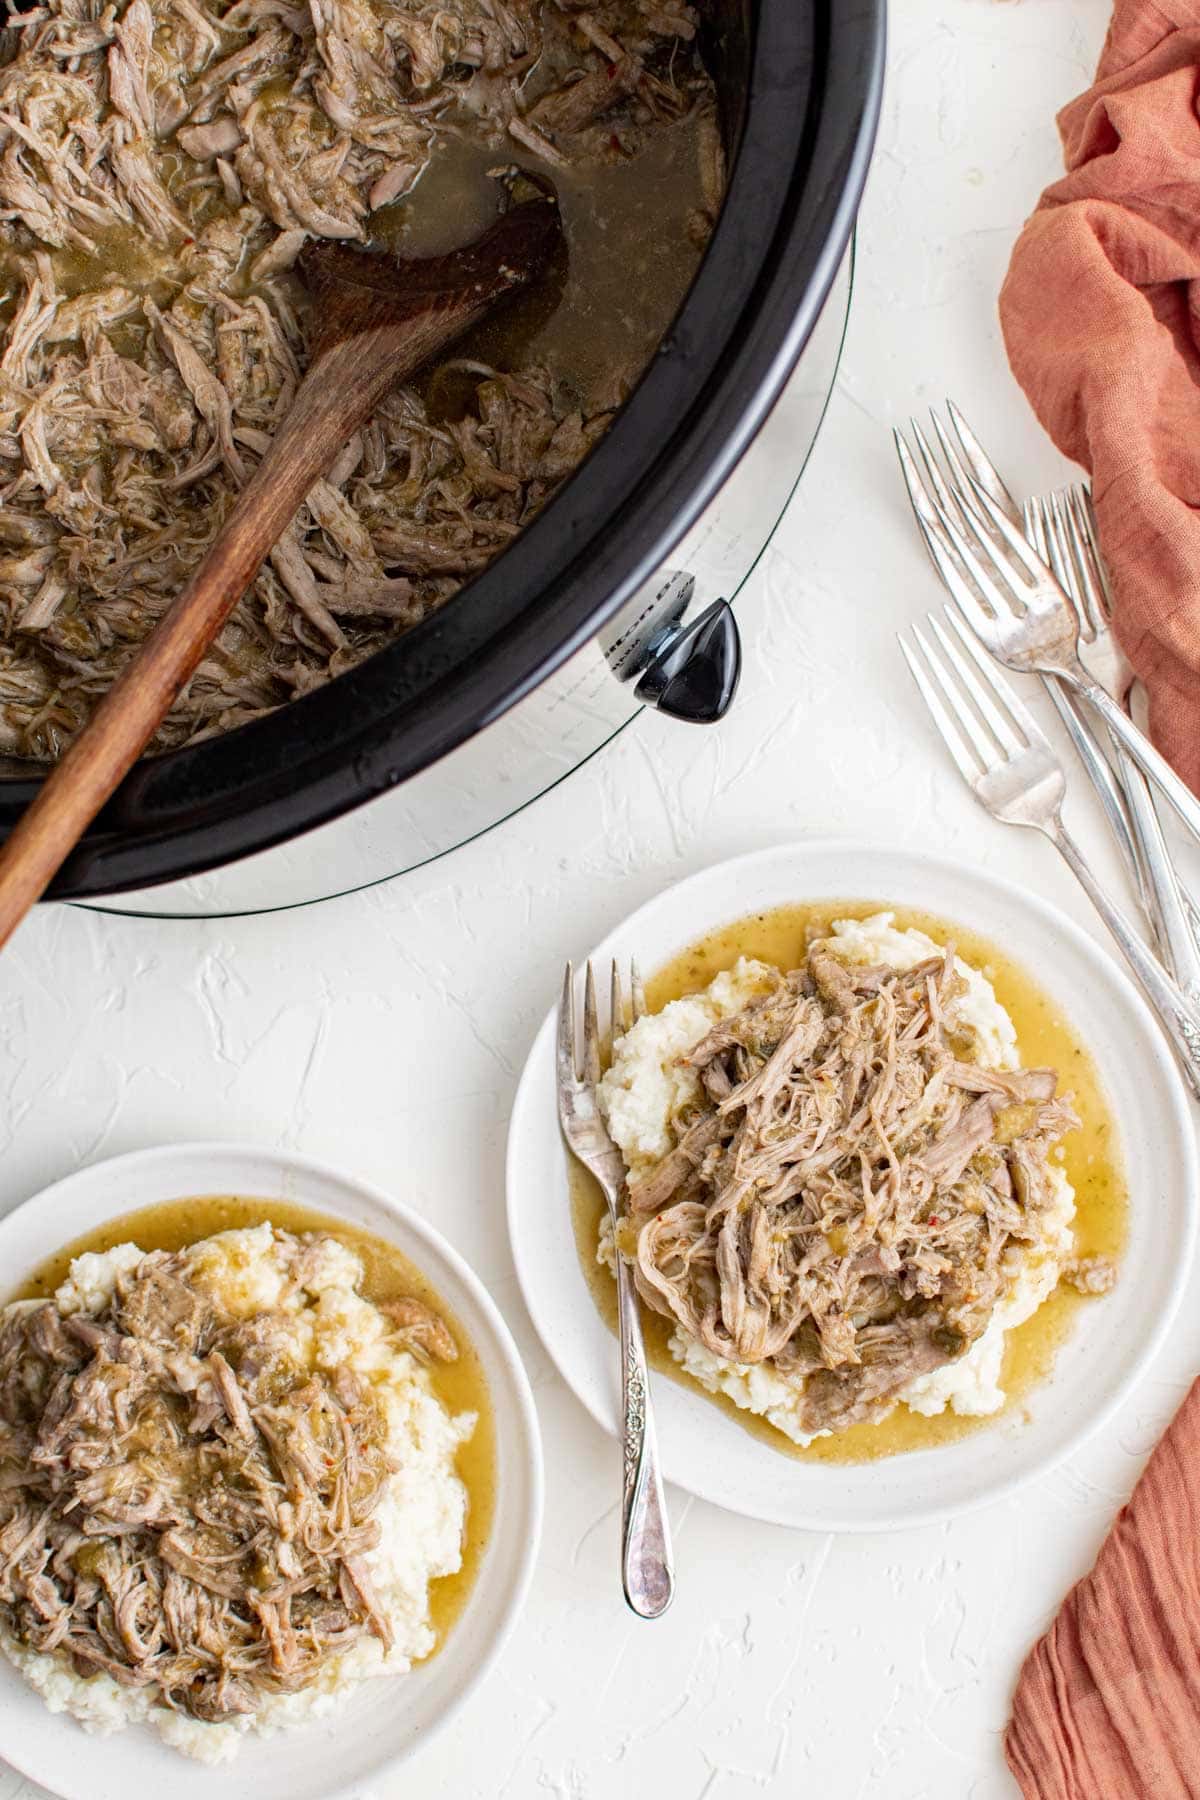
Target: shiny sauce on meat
x: 388, y: 1275
x: 595, y: 321
x: 1091, y: 1157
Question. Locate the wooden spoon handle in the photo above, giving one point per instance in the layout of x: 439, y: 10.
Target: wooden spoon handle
x: 338, y: 393
x: 376, y: 321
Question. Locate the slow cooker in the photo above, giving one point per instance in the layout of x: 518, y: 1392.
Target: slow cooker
x: 616, y: 596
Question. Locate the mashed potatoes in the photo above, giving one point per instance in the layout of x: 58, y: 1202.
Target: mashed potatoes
x: 421, y: 1515
x: 647, y: 1086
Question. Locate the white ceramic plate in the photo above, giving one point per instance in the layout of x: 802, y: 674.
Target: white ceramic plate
x: 1112, y: 1340
x: 387, y: 1718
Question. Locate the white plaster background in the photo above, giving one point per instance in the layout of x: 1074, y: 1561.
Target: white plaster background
x: 385, y: 1032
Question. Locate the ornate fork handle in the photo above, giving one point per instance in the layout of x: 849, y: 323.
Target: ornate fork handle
x: 647, y: 1574
x: 647, y: 1571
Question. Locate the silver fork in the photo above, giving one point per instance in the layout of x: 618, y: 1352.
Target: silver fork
x: 1062, y: 528
x: 1108, y: 661
x: 647, y: 1568
x: 1043, y: 522
x: 964, y: 447
x: 1005, y: 758
x: 1025, y: 619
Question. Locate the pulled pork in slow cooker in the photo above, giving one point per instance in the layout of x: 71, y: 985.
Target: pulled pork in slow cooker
x: 841, y: 1203
x: 180, y: 1504
x: 161, y: 164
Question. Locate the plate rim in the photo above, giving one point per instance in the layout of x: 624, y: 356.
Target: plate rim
x: 1185, y: 1146
x: 531, y: 1449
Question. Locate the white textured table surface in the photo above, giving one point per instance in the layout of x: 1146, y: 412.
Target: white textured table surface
x: 386, y: 1032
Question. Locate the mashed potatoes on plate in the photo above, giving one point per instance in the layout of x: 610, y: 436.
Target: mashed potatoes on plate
x: 651, y: 1091
x: 334, y: 1338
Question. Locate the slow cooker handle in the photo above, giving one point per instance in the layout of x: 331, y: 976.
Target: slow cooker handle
x: 695, y: 676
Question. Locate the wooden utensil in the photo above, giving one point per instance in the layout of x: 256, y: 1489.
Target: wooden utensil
x: 375, y: 319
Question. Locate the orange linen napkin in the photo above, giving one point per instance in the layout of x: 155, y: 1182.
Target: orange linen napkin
x: 1101, y: 318
x: 1108, y: 1703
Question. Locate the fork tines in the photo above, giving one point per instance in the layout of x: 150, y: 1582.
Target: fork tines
x: 622, y: 1014
x: 982, y: 720
x: 1061, y: 527
x: 973, y: 531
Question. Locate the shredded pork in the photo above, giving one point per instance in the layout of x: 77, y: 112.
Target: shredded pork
x: 162, y: 163
x: 841, y: 1203
x: 181, y: 1505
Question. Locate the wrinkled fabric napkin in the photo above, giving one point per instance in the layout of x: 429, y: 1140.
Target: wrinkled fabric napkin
x: 1101, y: 318
x: 1108, y: 1703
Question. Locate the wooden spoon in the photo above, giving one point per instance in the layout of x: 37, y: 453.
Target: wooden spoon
x: 375, y: 319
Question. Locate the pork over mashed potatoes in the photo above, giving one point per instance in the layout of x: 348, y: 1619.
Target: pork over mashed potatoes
x: 844, y: 1190
x: 226, y: 1484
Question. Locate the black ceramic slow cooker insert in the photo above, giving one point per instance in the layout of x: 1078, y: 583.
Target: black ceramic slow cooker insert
x: 800, y: 84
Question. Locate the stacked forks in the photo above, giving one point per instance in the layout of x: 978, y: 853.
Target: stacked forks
x: 1062, y: 528
x: 1023, y: 589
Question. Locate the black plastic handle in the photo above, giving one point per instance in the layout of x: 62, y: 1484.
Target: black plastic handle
x: 697, y: 674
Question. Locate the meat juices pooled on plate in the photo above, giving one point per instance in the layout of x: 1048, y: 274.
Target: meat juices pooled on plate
x: 855, y: 1196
